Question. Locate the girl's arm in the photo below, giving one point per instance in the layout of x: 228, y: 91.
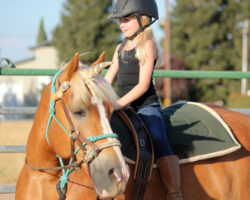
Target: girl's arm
x: 146, y: 70
x: 113, y: 69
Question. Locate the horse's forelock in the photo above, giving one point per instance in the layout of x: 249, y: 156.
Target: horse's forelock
x: 102, y: 89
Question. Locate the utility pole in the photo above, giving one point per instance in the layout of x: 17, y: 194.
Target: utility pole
x: 167, y: 63
x: 244, y: 56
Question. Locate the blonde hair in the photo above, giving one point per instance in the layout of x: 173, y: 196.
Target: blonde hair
x: 147, y: 34
x: 81, y: 88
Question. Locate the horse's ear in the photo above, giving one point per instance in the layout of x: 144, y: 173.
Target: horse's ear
x: 71, y: 68
x: 100, y: 59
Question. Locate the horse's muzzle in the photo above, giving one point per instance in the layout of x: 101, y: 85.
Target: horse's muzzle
x: 109, y: 176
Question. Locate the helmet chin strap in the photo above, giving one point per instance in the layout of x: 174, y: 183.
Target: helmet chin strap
x: 141, y: 29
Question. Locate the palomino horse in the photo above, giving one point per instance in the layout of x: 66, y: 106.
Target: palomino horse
x: 89, y: 104
x: 71, y: 140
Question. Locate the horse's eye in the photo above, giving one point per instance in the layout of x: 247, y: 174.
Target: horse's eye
x: 79, y: 113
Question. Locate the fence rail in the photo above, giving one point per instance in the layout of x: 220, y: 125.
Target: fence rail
x: 17, y: 110
x: 7, y: 189
x: 12, y: 148
x: 201, y: 74
x: 157, y: 73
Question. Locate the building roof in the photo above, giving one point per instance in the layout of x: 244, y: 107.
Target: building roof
x: 42, y: 44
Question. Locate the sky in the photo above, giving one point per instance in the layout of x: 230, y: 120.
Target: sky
x: 20, y: 19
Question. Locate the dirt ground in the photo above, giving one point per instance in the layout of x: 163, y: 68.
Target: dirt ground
x: 12, y: 133
x: 7, y: 196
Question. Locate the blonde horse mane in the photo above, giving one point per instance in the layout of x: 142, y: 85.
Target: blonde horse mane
x: 82, y: 87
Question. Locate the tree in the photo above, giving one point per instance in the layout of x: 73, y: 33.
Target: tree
x: 86, y: 29
x: 180, y: 87
x: 206, y: 35
x: 41, y: 34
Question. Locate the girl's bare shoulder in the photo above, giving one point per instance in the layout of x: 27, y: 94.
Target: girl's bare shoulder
x: 151, y: 47
x: 150, y: 43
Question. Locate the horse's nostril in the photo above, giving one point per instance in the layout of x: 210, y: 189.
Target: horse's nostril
x: 114, y: 175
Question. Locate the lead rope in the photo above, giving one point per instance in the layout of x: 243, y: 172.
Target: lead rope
x: 52, y: 107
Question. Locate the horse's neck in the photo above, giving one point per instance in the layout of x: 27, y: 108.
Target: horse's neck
x: 38, y: 150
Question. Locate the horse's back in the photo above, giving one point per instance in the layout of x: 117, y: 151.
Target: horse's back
x: 239, y: 124
x: 225, y: 177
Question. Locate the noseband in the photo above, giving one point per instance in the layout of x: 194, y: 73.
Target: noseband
x: 88, y: 153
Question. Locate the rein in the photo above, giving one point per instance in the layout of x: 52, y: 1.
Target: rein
x: 74, y: 164
x: 75, y: 136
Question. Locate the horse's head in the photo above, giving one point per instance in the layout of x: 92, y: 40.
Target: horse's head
x: 81, y: 105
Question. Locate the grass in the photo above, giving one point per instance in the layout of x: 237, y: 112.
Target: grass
x: 236, y: 100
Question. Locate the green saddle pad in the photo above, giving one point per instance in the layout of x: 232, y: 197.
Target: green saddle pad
x: 196, y: 132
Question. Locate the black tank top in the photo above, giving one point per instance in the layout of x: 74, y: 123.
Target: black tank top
x: 128, y: 77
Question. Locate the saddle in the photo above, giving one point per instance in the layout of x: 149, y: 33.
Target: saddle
x: 139, y: 141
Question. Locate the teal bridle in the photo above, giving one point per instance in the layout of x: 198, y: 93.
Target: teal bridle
x: 82, y: 142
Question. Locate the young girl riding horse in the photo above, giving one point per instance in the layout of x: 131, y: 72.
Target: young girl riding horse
x: 133, y: 63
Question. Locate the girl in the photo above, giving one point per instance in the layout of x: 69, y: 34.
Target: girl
x: 133, y: 63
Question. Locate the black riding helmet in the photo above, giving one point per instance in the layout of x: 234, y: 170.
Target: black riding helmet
x: 124, y: 8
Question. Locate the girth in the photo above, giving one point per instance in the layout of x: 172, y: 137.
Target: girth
x: 144, y: 149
